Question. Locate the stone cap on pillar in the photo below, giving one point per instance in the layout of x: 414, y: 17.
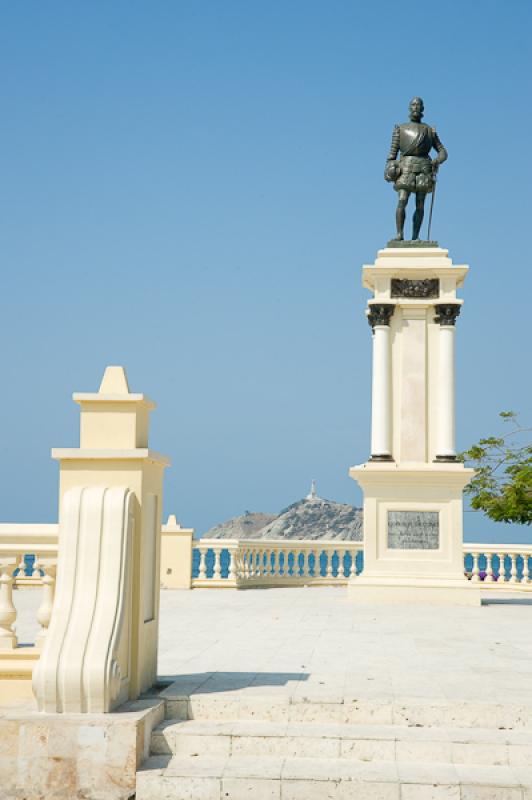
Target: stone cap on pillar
x: 173, y: 528
x: 414, y: 474
x: 114, y: 418
x: 426, y: 274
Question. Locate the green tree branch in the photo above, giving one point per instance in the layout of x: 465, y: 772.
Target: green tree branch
x: 502, y: 486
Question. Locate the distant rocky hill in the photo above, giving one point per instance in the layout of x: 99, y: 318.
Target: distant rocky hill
x: 315, y: 519
x: 244, y: 527
x: 311, y: 518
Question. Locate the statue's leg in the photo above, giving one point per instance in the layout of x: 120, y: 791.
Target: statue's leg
x: 404, y: 194
x: 419, y: 214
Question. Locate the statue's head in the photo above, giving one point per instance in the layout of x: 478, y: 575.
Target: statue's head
x: 416, y: 109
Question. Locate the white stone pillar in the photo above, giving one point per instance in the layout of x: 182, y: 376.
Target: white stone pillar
x: 101, y: 646
x: 446, y: 316
x: 381, y: 399
x: 176, y: 555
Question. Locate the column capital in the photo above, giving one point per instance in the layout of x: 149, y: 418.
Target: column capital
x: 380, y: 313
x: 447, y: 313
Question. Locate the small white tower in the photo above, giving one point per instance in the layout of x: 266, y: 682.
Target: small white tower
x: 313, y: 495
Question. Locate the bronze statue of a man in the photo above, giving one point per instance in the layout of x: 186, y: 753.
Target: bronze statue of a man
x: 415, y: 171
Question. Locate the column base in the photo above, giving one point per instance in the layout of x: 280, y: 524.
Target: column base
x: 381, y: 457
x: 425, y: 591
x: 445, y: 459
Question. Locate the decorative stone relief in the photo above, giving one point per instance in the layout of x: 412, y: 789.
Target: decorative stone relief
x: 380, y: 313
x: 447, y: 313
x: 425, y: 287
x: 79, y: 669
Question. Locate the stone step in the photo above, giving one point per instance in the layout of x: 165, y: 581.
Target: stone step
x: 367, y: 743
x: 306, y: 708
x: 287, y: 778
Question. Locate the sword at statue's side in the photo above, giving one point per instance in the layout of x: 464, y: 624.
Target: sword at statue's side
x: 434, y: 174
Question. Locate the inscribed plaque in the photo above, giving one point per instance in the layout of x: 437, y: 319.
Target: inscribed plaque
x: 413, y: 530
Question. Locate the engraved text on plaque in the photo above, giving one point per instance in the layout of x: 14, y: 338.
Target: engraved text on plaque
x: 413, y: 530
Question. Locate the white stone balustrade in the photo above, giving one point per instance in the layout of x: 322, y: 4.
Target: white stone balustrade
x: 243, y: 563
x: 8, y: 613
x: 498, y: 567
x: 211, y: 553
x: 234, y: 563
x: 16, y: 543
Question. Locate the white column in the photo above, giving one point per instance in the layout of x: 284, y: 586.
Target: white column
x: 446, y: 383
x: 381, y: 399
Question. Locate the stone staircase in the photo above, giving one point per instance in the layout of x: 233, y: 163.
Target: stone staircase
x: 223, y: 746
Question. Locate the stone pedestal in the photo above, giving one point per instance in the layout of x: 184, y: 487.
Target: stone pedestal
x: 176, y: 555
x: 101, y: 647
x: 412, y: 483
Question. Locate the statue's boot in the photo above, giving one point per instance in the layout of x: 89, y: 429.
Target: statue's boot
x: 400, y: 223
x: 418, y: 221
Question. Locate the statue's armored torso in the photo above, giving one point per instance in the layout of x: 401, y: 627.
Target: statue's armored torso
x: 413, y: 141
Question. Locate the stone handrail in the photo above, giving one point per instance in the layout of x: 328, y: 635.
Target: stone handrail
x: 16, y: 543
x: 497, y: 565
x: 240, y: 563
x: 274, y: 562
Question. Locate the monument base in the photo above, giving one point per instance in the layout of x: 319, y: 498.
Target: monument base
x: 396, y: 590
x: 413, y: 483
x: 413, y: 543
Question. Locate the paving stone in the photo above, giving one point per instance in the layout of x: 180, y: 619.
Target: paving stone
x: 368, y: 749
x: 429, y: 791
x: 244, y: 788
x: 491, y: 793
x: 309, y: 790
x: 321, y: 769
x: 420, y: 751
x: 479, y: 753
x: 487, y: 775
x: 520, y: 755
x: 268, y: 767
x: 166, y: 788
x: 425, y: 773
x: 190, y: 767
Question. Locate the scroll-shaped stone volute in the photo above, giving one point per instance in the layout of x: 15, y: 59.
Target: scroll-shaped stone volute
x: 85, y: 663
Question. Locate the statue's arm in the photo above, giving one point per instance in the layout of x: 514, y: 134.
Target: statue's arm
x: 438, y: 146
x: 394, y: 149
x: 392, y: 170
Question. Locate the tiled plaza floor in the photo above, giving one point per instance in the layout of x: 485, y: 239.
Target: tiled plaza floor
x: 315, y: 642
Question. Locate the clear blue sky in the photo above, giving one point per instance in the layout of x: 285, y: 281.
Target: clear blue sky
x: 190, y: 188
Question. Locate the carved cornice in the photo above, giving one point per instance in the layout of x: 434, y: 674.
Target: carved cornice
x: 380, y: 313
x: 409, y: 287
x: 447, y: 313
